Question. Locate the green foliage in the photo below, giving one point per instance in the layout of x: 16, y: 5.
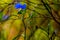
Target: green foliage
x: 1, y: 15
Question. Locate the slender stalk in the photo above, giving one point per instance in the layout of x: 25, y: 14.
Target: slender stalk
x: 48, y: 8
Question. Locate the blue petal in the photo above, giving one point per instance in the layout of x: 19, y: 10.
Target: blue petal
x: 5, y: 17
x: 24, y: 7
x: 18, y: 5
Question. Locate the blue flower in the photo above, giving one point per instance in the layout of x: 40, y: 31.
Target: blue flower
x: 19, y: 5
